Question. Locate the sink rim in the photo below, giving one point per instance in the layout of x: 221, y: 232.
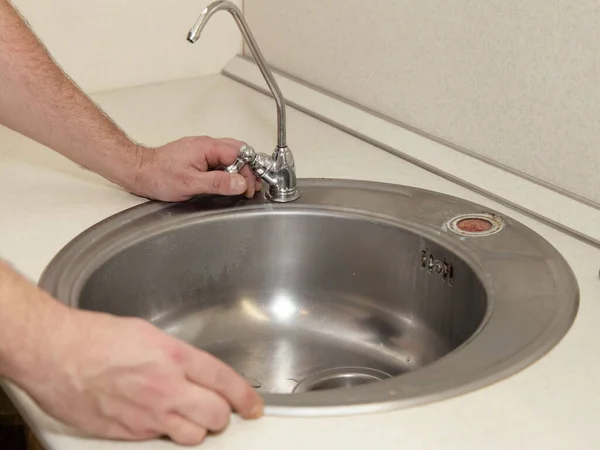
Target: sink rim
x: 421, y: 386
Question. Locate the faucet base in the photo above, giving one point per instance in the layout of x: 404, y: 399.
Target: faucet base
x: 284, y: 197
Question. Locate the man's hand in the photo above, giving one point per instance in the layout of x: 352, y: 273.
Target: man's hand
x: 124, y: 379
x: 38, y: 100
x: 182, y: 169
x: 112, y: 377
x: 109, y: 376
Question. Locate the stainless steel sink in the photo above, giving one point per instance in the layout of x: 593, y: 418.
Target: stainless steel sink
x: 357, y: 297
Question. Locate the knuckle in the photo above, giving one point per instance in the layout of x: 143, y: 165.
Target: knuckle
x: 174, y: 352
x: 232, y: 386
x: 175, y: 429
x: 140, y: 428
x: 136, y: 425
x: 218, y: 181
x: 218, y: 416
x: 199, y: 140
x: 192, y: 139
x: 150, y: 386
x: 188, y: 180
x: 156, y: 390
x: 220, y: 376
x: 185, y: 433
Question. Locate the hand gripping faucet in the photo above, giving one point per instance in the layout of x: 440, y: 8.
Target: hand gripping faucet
x: 277, y: 170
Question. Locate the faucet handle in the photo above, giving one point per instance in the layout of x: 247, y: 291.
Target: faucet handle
x: 274, y: 170
x: 246, y: 155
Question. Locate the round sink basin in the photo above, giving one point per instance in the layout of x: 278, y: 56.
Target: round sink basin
x: 357, y: 297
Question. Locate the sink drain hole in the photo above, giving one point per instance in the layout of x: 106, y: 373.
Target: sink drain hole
x: 339, y: 378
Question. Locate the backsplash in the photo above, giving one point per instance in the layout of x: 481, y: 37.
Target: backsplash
x: 515, y: 82
x: 112, y: 44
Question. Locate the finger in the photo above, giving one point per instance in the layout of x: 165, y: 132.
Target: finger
x: 234, y: 142
x: 182, y: 431
x: 258, y: 184
x: 128, y: 421
x: 250, y: 181
x: 204, y: 369
x: 222, y: 152
x: 220, y: 147
x: 219, y: 182
x: 204, y: 408
x: 127, y: 427
x: 118, y: 431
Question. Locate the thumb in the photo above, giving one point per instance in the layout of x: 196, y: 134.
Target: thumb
x: 219, y: 182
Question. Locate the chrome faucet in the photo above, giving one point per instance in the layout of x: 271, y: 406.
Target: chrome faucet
x: 277, y: 170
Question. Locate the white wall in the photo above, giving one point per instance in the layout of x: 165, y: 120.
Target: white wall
x: 109, y: 44
x: 511, y: 80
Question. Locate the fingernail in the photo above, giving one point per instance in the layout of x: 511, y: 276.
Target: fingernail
x: 257, y: 411
x: 238, y: 184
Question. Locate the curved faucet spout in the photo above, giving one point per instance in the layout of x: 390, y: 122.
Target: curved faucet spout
x: 194, y: 34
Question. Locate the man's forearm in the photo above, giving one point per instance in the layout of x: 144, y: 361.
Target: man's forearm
x: 29, y: 318
x: 39, y: 101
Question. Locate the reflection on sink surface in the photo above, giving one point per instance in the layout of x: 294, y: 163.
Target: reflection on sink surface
x: 357, y: 297
x: 282, y: 294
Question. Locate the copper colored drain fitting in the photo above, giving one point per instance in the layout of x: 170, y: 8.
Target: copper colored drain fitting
x: 475, y: 224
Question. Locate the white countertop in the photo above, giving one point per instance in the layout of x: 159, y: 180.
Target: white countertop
x: 46, y: 201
